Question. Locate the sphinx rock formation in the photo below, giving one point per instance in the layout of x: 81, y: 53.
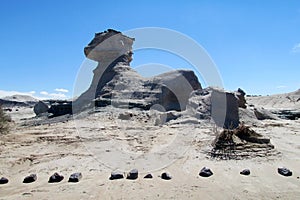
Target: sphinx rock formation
x: 116, y: 83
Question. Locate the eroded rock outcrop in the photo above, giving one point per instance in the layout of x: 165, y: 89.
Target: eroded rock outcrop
x: 116, y: 83
x: 217, y: 104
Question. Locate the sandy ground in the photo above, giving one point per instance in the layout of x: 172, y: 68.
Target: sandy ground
x: 99, y: 143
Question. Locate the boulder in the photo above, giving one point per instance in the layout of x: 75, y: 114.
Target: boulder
x: 31, y: 178
x: 55, y: 178
x: 166, y: 176
x: 3, y: 180
x: 40, y: 108
x: 245, y: 172
x: 205, y: 172
x: 219, y: 105
x: 75, y: 177
x: 116, y: 175
x: 133, y: 174
x: 284, y: 171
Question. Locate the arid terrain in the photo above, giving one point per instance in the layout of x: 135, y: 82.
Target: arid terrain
x: 166, y: 123
x: 40, y: 146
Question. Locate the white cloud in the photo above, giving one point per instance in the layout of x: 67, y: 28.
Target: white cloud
x: 296, y: 48
x: 61, y: 90
x: 44, y: 93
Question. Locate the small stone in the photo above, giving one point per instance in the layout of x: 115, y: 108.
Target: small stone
x: 133, y: 174
x: 205, y: 172
x: 3, y: 180
x: 245, y: 172
x: 116, y: 175
x: 284, y: 171
x: 166, y: 176
x: 29, y: 179
x: 55, y: 178
x: 148, y: 176
x: 74, y: 178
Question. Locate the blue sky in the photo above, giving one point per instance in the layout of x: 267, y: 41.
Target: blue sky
x: 255, y: 44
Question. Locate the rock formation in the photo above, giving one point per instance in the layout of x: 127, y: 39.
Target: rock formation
x: 216, y: 104
x: 116, y: 83
x: 40, y: 108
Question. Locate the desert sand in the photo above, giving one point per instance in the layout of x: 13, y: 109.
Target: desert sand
x: 75, y: 146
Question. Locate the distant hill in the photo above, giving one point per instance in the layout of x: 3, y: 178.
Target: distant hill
x: 18, y: 100
x: 278, y: 101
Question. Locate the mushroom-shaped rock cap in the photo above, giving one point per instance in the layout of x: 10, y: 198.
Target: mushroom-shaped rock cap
x: 108, y: 44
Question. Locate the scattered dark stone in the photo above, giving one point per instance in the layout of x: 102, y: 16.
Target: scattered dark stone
x: 284, y: 171
x: 3, y: 180
x: 55, y: 178
x: 205, y: 172
x: 148, y: 176
x: 133, y: 174
x: 166, y: 176
x: 245, y: 172
x: 116, y: 175
x: 74, y: 178
x: 29, y: 179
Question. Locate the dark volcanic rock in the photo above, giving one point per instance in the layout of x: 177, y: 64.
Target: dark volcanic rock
x: 31, y: 178
x: 166, y: 176
x: 3, y: 180
x: 205, y: 172
x: 40, y: 108
x: 55, y: 178
x: 245, y: 172
x: 116, y: 175
x: 284, y: 171
x: 148, y: 176
x: 75, y: 177
x: 133, y: 174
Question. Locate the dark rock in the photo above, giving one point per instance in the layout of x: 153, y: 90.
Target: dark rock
x: 241, y: 98
x: 216, y: 104
x: 148, y: 176
x: 3, y: 180
x: 245, y: 172
x: 284, y: 171
x: 166, y: 176
x: 55, y: 178
x: 205, y: 172
x: 75, y: 177
x: 61, y: 108
x: 31, y: 178
x: 133, y: 174
x: 116, y: 175
x: 40, y: 108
